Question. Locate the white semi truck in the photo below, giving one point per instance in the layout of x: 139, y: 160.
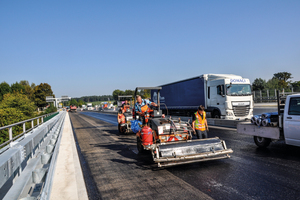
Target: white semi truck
x: 225, y: 96
x: 90, y: 106
x: 288, y: 126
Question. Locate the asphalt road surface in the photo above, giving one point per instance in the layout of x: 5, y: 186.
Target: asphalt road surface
x: 114, y: 170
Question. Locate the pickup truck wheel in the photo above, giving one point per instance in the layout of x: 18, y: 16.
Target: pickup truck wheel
x: 262, y: 142
x: 139, y: 145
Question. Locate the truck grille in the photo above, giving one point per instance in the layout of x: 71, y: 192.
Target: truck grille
x: 241, y: 111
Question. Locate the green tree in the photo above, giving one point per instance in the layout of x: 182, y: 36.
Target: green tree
x: 10, y: 116
x: 20, y: 102
x: 296, y: 86
x: 117, y: 93
x: 129, y: 92
x: 259, y: 84
x: 273, y: 84
x: 80, y: 103
x: 74, y: 102
x: 33, y: 85
x: 29, y: 92
x: 50, y: 109
x: 283, y: 78
x: 40, y: 93
x: 17, y: 87
x: 24, y: 83
x: 4, y: 89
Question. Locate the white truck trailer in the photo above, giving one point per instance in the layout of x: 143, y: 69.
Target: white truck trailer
x: 288, y: 126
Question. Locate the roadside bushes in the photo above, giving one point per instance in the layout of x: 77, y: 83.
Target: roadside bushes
x: 15, y: 107
x: 10, y: 116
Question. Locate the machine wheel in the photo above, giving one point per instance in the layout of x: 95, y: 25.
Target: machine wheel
x: 121, y: 129
x: 216, y: 114
x: 139, y: 145
x: 262, y: 142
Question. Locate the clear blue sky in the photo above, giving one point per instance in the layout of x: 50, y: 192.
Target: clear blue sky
x: 94, y: 47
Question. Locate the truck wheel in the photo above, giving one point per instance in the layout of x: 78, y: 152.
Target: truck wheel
x: 139, y: 145
x: 216, y: 114
x: 262, y: 142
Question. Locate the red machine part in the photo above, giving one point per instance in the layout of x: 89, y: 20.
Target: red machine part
x: 147, y: 138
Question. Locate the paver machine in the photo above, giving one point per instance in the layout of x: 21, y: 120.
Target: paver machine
x: 124, y: 114
x: 170, y: 140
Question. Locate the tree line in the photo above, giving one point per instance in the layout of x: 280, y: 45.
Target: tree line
x: 86, y: 99
x: 114, y: 97
x: 144, y: 93
x: 19, y: 101
x: 279, y: 81
x: 94, y: 98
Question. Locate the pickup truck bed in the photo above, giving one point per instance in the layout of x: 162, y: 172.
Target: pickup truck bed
x: 260, y: 131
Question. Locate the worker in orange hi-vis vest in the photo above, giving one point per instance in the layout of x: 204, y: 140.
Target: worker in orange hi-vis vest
x: 200, y: 123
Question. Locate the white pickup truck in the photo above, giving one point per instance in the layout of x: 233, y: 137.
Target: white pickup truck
x: 287, y: 129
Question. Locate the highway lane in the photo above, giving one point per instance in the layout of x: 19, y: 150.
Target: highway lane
x: 113, y: 169
x: 251, y: 172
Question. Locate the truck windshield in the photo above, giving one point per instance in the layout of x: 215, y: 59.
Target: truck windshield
x: 238, y: 90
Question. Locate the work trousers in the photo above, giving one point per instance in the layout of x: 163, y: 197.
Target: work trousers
x: 201, y: 134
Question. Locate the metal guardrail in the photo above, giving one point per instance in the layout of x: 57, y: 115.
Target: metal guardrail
x: 26, y: 169
x: 10, y: 127
x: 268, y: 96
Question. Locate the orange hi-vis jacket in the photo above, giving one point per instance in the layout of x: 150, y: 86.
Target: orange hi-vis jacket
x: 199, y: 122
x: 121, y: 119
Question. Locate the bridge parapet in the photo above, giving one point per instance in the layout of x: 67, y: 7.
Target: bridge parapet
x: 23, y: 166
x: 38, y: 120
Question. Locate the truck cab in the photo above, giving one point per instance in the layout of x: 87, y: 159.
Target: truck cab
x: 229, y: 96
x: 291, y: 120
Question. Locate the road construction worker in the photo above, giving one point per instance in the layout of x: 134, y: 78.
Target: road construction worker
x: 125, y: 106
x: 121, y: 117
x: 142, y: 105
x: 200, y: 123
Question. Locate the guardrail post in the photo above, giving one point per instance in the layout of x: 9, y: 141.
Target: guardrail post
x: 42, y: 120
x: 24, y: 127
x: 260, y: 96
x: 31, y: 123
x: 10, y: 133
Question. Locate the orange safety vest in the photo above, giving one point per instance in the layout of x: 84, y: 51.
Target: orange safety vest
x: 199, y: 122
x: 121, y: 119
x: 144, y: 108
